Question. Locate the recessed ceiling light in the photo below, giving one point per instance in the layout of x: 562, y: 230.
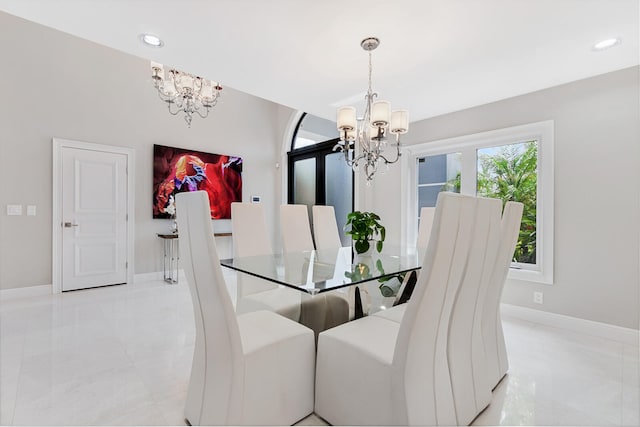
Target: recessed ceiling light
x: 151, y: 40
x: 606, y: 44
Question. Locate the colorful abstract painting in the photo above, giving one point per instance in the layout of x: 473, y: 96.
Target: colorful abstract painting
x: 176, y: 170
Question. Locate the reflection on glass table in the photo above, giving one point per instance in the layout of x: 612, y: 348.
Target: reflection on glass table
x: 319, y: 271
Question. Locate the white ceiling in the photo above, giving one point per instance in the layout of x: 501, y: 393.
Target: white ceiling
x: 435, y: 56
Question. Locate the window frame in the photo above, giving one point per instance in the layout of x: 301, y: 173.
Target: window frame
x: 467, y: 145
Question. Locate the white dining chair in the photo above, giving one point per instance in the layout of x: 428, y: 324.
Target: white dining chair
x: 318, y: 312
x: 295, y: 229
x: 326, y: 237
x: 253, y: 369
x: 465, y: 350
x: 492, y: 333
x: 325, y: 228
x: 373, y: 371
x: 250, y: 238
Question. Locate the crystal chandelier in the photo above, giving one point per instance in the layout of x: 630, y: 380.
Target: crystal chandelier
x: 184, y: 92
x: 370, y: 132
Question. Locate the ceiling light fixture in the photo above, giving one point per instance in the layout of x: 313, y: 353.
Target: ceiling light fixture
x: 151, y: 40
x: 184, y: 92
x: 363, y: 140
x: 606, y: 44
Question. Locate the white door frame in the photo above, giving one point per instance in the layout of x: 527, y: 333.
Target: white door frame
x: 58, y: 145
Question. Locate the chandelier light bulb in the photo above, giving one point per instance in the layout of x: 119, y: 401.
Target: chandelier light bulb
x: 399, y: 122
x: 380, y: 112
x: 346, y: 118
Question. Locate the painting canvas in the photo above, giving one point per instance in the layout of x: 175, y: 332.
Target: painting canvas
x: 176, y: 170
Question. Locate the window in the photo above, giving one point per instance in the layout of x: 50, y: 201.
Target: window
x: 513, y: 164
x: 510, y: 173
x: 435, y: 174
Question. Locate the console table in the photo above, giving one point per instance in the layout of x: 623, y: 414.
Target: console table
x: 171, y: 255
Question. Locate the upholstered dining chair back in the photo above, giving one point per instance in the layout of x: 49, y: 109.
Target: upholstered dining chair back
x: 482, y: 383
x: 420, y: 354
x: 471, y: 390
x: 295, y: 229
x: 424, y: 229
x: 250, y: 238
x: 492, y: 333
x: 249, y: 227
x: 218, y: 348
x: 325, y: 228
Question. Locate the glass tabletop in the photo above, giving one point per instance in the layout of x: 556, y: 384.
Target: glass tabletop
x: 324, y: 270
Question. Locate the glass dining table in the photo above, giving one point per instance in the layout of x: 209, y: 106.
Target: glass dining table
x: 319, y: 271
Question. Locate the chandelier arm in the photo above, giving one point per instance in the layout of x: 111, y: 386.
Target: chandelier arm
x: 398, y: 155
x: 169, y: 104
x: 204, y: 116
x: 163, y: 97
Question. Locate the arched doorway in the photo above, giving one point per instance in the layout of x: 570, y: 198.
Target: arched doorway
x: 316, y: 174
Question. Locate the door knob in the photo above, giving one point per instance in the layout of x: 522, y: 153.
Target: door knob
x: 69, y: 225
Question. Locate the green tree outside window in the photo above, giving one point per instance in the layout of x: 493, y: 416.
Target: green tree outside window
x: 510, y: 173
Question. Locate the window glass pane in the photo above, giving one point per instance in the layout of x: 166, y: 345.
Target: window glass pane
x: 510, y: 173
x: 313, y: 130
x: 338, y: 187
x: 427, y: 196
x: 435, y: 174
x: 432, y: 169
x: 304, y: 182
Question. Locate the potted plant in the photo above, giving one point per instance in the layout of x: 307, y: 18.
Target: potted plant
x: 364, y: 229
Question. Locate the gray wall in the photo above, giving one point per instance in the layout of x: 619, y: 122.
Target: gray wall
x: 597, y: 204
x: 56, y: 85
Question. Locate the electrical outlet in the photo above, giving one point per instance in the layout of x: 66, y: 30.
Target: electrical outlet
x: 538, y: 297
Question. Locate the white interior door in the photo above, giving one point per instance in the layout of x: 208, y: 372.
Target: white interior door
x: 94, y: 218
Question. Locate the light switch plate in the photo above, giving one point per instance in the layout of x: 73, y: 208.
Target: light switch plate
x: 14, y: 209
x: 31, y: 210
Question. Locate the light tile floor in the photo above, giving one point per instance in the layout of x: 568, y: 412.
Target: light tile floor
x: 121, y: 355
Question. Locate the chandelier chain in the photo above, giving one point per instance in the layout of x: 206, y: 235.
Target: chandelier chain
x: 370, y: 72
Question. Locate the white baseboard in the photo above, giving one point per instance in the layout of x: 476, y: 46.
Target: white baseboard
x: 147, y: 277
x: 35, y: 291
x: 574, y: 324
x: 26, y: 292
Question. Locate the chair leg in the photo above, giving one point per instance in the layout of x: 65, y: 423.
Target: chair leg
x: 408, y: 288
x: 358, y: 312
